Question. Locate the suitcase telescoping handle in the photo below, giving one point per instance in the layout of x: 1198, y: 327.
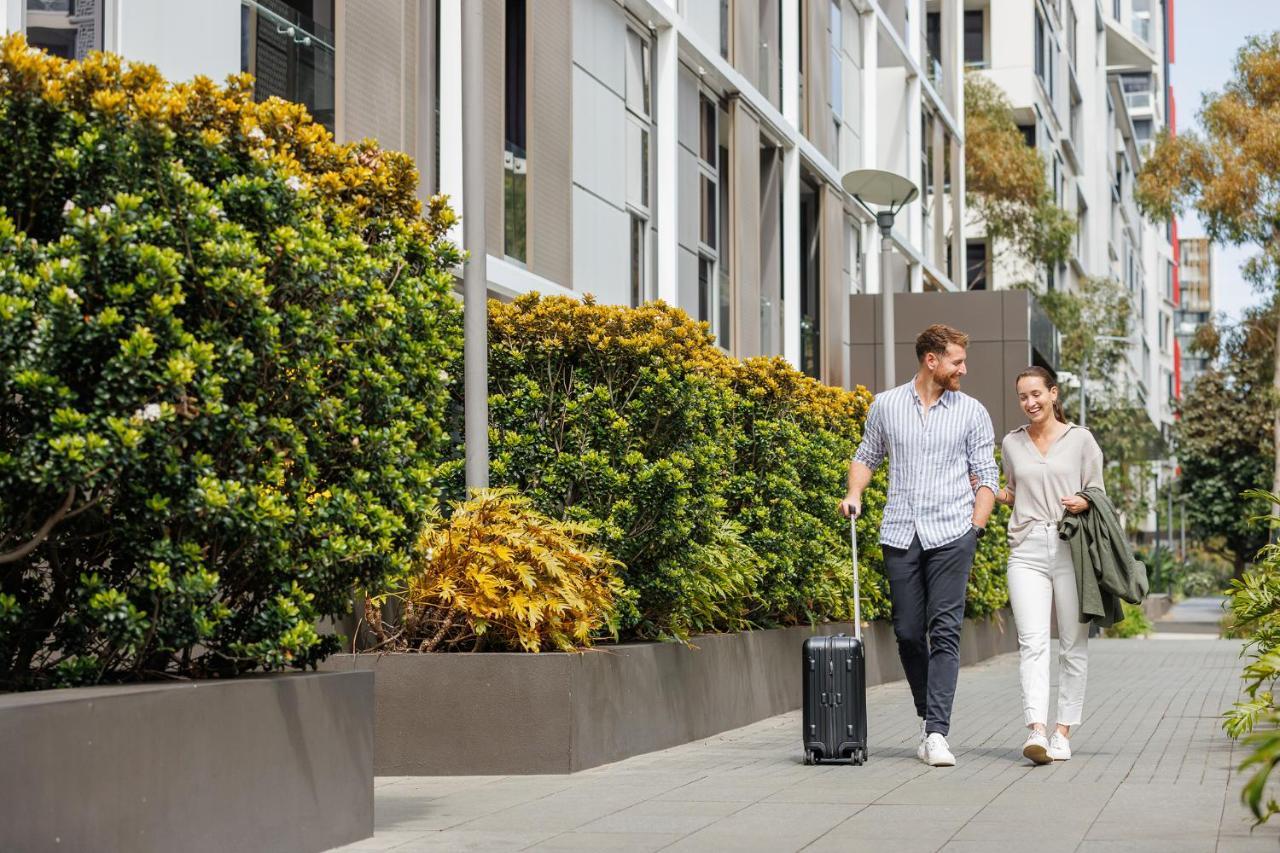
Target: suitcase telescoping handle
x: 857, y: 581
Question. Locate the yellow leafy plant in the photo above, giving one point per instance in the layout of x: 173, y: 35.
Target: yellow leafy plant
x: 499, y: 575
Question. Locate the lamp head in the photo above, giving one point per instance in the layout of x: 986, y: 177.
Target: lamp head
x: 875, y: 186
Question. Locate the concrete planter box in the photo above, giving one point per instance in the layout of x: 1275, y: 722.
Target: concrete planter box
x: 280, y: 763
x: 464, y: 714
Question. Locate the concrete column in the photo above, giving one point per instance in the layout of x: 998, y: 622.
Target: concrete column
x: 666, y: 157
x: 869, y: 130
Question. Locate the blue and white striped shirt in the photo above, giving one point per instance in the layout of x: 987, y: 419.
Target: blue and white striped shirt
x: 930, y: 459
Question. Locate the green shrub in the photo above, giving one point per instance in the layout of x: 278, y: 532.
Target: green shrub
x: 714, y: 481
x: 1255, y: 613
x: 1134, y: 624
x: 222, y: 342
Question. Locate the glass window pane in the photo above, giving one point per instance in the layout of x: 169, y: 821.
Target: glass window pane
x: 638, y: 289
x: 708, y: 111
x: 708, y: 233
x: 635, y: 73
x: 973, y: 47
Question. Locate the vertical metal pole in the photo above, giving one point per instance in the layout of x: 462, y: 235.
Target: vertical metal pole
x: 1169, y: 509
x: 1084, y: 379
x: 475, y: 321
x: 1183, y: 534
x: 885, y: 221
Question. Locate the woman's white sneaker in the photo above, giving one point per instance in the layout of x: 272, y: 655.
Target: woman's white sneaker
x: 920, y: 753
x: 1059, y: 747
x: 937, y: 753
x: 1036, y: 749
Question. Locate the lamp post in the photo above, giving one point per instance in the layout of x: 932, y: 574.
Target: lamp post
x: 475, y: 321
x: 891, y: 193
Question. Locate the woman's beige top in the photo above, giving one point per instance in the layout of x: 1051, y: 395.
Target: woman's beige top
x: 1040, y: 481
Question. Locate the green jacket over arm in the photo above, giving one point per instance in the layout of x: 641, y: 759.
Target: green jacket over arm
x: 1106, y: 571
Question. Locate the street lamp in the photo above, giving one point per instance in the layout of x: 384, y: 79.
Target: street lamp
x: 892, y: 193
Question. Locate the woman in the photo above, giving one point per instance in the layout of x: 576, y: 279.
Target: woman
x: 1046, y: 463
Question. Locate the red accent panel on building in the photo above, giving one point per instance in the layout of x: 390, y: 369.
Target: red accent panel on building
x: 1177, y: 369
x: 1173, y: 114
x: 1168, y: 8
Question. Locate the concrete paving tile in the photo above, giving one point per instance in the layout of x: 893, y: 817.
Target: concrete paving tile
x: 680, y: 825
x: 1149, y: 845
x: 468, y: 841
x: 935, y: 791
x: 617, y: 842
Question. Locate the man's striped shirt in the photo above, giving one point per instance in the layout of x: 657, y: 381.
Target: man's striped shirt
x: 930, y: 459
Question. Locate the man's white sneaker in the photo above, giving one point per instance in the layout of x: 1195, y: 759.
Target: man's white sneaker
x: 1037, y: 748
x: 920, y: 749
x: 1059, y: 747
x: 937, y: 753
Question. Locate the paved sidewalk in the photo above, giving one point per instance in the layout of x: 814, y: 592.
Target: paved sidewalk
x: 1193, y: 616
x: 1152, y: 771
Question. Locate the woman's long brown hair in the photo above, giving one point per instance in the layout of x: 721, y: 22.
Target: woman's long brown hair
x: 1050, y: 381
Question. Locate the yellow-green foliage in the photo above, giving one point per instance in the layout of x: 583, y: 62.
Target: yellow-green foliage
x: 691, y: 462
x: 223, y: 342
x: 501, y: 574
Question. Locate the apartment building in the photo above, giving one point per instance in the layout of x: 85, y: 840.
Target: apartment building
x: 688, y: 150
x: 1196, y: 306
x: 1088, y: 82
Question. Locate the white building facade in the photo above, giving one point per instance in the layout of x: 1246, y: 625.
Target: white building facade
x: 688, y: 150
x: 1088, y: 81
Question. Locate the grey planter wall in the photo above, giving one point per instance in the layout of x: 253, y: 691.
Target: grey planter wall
x: 445, y: 714
x: 279, y: 763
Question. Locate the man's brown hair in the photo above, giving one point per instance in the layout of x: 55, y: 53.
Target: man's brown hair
x: 936, y: 338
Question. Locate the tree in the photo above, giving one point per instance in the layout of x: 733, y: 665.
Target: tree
x: 1005, y: 184
x: 1224, y: 436
x: 1231, y: 177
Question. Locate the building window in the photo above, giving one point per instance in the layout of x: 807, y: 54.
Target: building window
x: 66, y: 28
x: 1028, y: 134
x: 288, y: 48
x: 975, y: 265
x: 933, y: 44
x: 639, y: 174
x: 975, y: 52
x: 724, y: 28
x: 1044, y: 50
x: 810, y: 292
x: 713, y: 267
x: 515, y: 162
x: 639, y: 279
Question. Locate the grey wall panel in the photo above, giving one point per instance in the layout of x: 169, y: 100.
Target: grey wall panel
x: 703, y: 17
x: 771, y: 250
x: 599, y: 141
x: 599, y: 30
x: 689, y: 213
x: 687, y: 133
x: 601, y: 251
x: 551, y: 140
x: 495, y: 33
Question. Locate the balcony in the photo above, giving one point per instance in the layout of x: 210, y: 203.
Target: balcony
x: 1130, y: 34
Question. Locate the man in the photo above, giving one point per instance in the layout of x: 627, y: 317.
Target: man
x: 935, y: 438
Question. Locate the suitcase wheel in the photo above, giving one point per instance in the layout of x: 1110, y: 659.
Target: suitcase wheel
x: 859, y: 756
x: 810, y: 757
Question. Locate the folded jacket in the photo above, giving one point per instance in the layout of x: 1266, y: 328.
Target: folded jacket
x: 1106, y: 572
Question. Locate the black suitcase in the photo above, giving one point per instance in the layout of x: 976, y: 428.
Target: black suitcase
x: 835, y: 688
